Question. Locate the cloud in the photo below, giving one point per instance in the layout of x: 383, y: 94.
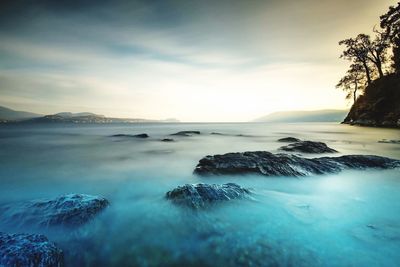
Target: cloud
x: 206, y: 60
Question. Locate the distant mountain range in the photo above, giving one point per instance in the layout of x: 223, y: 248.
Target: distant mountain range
x: 324, y: 115
x: 11, y: 116
x: 7, y: 114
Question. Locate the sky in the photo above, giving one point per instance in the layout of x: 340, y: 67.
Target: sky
x: 210, y: 61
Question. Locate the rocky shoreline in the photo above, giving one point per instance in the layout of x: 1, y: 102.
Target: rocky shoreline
x: 372, y: 123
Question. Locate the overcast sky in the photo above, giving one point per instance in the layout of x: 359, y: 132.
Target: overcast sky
x: 191, y: 60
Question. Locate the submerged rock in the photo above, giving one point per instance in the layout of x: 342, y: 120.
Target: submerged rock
x: 268, y: 164
x: 67, y: 210
x: 289, y: 140
x: 201, y: 195
x: 385, y: 141
x: 28, y: 250
x: 143, y: 135
x: 167, y: 140
x: 186, y: 133
x: 308, y: 147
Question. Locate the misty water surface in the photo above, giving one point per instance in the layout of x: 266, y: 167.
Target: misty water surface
x: 346, y: 219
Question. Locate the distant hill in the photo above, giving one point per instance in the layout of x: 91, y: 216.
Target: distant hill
x: 11, y: 116
x: 325, y: 115
x: 87, y: 117
x: 7, y: 114
x: 72, y: 115
x: 379, y: 105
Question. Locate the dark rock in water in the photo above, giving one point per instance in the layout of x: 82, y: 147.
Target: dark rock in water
x: 216, y: 133
x: 67, y: 210
x: 186, y: 133
x: 143, y: 135
x: 268, y: 164
x: 245, y: 135
x: 289, y: 140
x: 201, y: 195
x: 308, y: 147
x: 167, y: 140
x: 29, y: 250
x: 385, y: 141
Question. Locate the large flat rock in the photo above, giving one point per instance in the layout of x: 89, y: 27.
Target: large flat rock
x: 66, y: 210
x: 268, y: 164
x: 28, y: 250
x: 201, y: 195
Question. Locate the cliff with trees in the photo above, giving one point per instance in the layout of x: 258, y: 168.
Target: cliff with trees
x: 373, y: 78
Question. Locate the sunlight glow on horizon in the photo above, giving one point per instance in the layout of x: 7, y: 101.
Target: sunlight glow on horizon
x: 198, y: 63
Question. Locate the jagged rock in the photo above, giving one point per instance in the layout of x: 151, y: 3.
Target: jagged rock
x: 201, y: 195
x: 67, y: 210
x: 289, y: 140
x: 308, y: 147
x: 186, y: 133
x: 143, y: 135
x: 28, y: 250
x: 268, y: 164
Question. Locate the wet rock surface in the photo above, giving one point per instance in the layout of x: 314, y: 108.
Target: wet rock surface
x: 201, y: 195
x: 28, y: 250
x: 308, y: 147
x: 289, y: 140
x: 186, y: 133
x: 67, y: 210
x: 268, y: 164
x: 143, y: 135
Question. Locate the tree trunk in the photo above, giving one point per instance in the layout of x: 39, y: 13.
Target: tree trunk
x: 367, y: 72
x: 355, y: 90
x: 379, y: 66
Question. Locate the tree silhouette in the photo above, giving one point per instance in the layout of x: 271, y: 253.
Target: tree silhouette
x: 357, y: 53
x: 390, y: 22
x: 377, y: 49
x: 353, y: 82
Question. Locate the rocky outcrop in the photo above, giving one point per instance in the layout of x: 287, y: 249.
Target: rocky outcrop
x: 379, y: 105
x: 186, y: 133
x: 308, y: 147
x: 268, y: 164
x: 201, y: 195
x: 289, y: 140
x: 143, y: 135
x: 28, y: 250
x: 68, y: 210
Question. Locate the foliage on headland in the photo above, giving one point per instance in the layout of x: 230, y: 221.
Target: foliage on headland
x: 373, y: 78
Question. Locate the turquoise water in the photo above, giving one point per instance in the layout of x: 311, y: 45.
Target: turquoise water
x: 346, y: 219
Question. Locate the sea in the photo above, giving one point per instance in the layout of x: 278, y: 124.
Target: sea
x: 351, y: 218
